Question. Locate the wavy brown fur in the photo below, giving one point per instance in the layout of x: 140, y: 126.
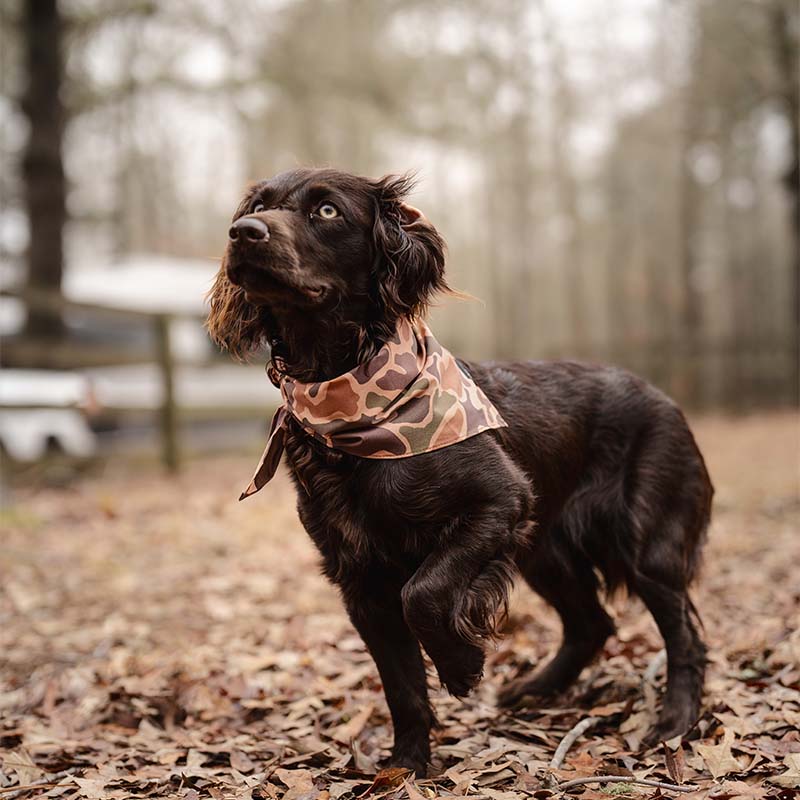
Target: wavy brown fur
x: 233, y: 323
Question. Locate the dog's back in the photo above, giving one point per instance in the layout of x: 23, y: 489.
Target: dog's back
x: 598, y: 443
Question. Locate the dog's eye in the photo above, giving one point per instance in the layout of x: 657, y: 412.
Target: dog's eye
x: 328, y: 211
x: 257, y: 208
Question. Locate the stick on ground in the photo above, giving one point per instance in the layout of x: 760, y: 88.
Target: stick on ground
x: 9, y: 792
x: 672, y: 787
x: 570, y: 738
x: 656, y: 664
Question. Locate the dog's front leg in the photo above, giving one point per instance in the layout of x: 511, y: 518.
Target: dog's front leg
x: 378, y: 616
x: 452, y: 601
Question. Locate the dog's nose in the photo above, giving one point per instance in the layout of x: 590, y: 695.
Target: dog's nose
x: 248, y: 228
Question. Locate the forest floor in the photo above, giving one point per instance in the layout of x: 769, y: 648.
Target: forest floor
x: 160, y: 639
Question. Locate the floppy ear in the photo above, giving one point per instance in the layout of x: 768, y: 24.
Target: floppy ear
x: 409, y: 252
x: 233, y: 323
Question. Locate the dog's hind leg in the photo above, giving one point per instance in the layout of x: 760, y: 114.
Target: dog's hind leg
x: 661, y: 579
x: 686, y: 658
x: 669, y: 520
x: 567, y: 581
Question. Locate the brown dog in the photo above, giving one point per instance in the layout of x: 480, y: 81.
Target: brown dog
x: 598, y: 464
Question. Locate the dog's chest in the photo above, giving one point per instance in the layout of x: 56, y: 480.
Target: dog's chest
x: 354, y: 506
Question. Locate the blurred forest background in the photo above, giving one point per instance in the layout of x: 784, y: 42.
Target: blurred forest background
x: 616, y: 180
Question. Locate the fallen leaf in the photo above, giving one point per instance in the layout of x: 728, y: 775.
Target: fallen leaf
x: 348, y: 731
x: 299, y: 783
x: 241, y: 761
x: 741, y: 726
x: 728, y: 790
x: 606, y: 710
x: 635, y: 727
x: 790, y: 778
x: 386, y: 779
x: 414, y: 793
x: 92, y: 788
x: 718, y: 758
x: 676, y: 764
x: 19, y: 762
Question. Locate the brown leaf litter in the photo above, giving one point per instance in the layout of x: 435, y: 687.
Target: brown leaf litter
x: 161, y: 640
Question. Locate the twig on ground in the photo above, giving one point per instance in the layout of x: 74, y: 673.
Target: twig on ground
x: 570, y: 738
x: 659, y: 659
x: 10, y: 792
x: 672, y: 787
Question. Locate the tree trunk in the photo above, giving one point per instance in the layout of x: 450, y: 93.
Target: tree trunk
x: 43, y: 171
x: 786, y: 43
x: 566, y: 186
x: 690, y: 388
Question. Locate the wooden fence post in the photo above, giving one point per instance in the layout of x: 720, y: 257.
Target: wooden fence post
x: 169, y: 415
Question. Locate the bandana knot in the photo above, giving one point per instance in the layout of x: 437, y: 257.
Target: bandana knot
x: 411, y: 397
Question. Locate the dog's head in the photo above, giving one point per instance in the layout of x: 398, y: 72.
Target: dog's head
x: 328, y: 245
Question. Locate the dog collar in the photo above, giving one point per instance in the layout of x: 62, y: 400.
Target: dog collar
x: 411, y: 397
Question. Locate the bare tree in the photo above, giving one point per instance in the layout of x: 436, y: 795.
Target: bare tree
x: 43, y: 169
x: 689, y: 204
x: 565, y: 180
x: 786, y: 37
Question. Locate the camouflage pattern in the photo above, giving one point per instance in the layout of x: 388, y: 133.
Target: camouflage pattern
x: 412, y: 397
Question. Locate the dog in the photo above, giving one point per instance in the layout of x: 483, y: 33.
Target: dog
x: 595, y: 483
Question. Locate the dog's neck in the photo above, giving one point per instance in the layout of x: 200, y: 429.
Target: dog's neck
x: 310, y: 347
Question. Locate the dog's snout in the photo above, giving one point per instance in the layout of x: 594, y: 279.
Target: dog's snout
x: 248, y: 228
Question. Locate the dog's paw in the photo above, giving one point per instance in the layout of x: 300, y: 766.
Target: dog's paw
x: 462, y: 670
x: 525, y: 693
x: 510, y: 694
x: 416, y: 764
x: 462, y: 685
x: 671, y: 723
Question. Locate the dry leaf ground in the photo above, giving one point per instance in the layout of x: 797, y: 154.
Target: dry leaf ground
x: 159, y: 639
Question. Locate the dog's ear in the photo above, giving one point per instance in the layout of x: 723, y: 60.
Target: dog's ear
x: 409, y: 252
x: 233, y: 323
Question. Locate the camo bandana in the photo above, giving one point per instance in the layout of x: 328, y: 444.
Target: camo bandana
x: 412, y: 397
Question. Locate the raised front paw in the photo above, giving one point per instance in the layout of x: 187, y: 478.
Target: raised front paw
x: 460, y: 669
